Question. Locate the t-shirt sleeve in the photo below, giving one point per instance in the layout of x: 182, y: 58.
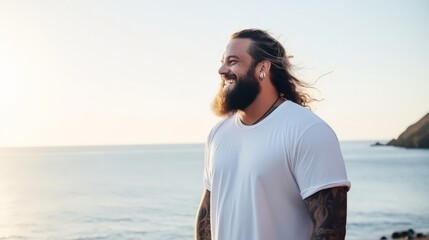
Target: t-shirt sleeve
x: 318, y: 162
x: 207, y: 172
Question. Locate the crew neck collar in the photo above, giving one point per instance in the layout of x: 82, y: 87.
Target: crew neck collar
x: 272, y: 114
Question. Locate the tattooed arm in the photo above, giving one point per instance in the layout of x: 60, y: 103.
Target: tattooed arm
x: 328, y: 210
x: 202, y: 225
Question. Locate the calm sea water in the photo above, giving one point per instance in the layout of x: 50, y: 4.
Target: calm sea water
x: 153, y: 191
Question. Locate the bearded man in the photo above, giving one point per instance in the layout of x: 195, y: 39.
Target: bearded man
x: 273, y: 169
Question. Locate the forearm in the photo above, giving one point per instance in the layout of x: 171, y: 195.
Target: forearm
x: 202, y: 225
x: 328, y: 210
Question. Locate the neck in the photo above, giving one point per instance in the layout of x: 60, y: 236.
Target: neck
x: 260, y: 108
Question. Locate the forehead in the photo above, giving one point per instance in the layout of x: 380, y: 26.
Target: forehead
x: 238, y: 48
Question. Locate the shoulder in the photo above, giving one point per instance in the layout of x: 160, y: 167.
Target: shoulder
x: 299, y: 119
x: 222, y: 124
x: 303, y: 130
x: 299, y: 112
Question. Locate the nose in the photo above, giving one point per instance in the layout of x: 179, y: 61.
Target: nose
x: 223, y: 69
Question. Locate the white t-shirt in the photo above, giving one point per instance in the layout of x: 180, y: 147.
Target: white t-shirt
x: 259, y: 175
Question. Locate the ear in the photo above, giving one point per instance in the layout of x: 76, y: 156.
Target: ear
x: 263, y: 66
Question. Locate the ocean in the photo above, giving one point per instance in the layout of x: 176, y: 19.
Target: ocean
x: 153, y: 191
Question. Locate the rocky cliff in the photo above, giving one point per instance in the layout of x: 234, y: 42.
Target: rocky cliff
x: 415, y: 136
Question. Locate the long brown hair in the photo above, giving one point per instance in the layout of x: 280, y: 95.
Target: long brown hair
x: 265, y: 47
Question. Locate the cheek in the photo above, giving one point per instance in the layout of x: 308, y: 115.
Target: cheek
x: 238, y: 70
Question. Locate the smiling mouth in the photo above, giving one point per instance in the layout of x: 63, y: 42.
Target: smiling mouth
x: 229, y: 79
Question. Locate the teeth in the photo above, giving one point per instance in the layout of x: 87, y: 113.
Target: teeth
x: 230, y: 81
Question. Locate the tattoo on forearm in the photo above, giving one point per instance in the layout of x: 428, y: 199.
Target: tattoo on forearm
x: 328, y: 210
x: 203, y: 231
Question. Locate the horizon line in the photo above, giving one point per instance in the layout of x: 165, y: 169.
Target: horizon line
x: 148, y: 144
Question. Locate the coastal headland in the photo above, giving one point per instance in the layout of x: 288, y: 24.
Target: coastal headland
x: 415, y: 136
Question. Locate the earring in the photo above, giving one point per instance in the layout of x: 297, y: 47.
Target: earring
x: 262, y: 75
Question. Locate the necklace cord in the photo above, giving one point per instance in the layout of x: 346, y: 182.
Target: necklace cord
x: 269, y: 109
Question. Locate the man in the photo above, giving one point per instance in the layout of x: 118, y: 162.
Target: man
x: 273, y: 169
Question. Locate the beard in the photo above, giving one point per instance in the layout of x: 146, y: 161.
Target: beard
x: 230, y: 99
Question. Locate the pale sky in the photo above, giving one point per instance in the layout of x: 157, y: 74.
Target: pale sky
x: 145, y: 72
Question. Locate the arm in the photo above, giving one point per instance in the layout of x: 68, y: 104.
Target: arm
x: 328, y: 210
x: 202, y: 224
